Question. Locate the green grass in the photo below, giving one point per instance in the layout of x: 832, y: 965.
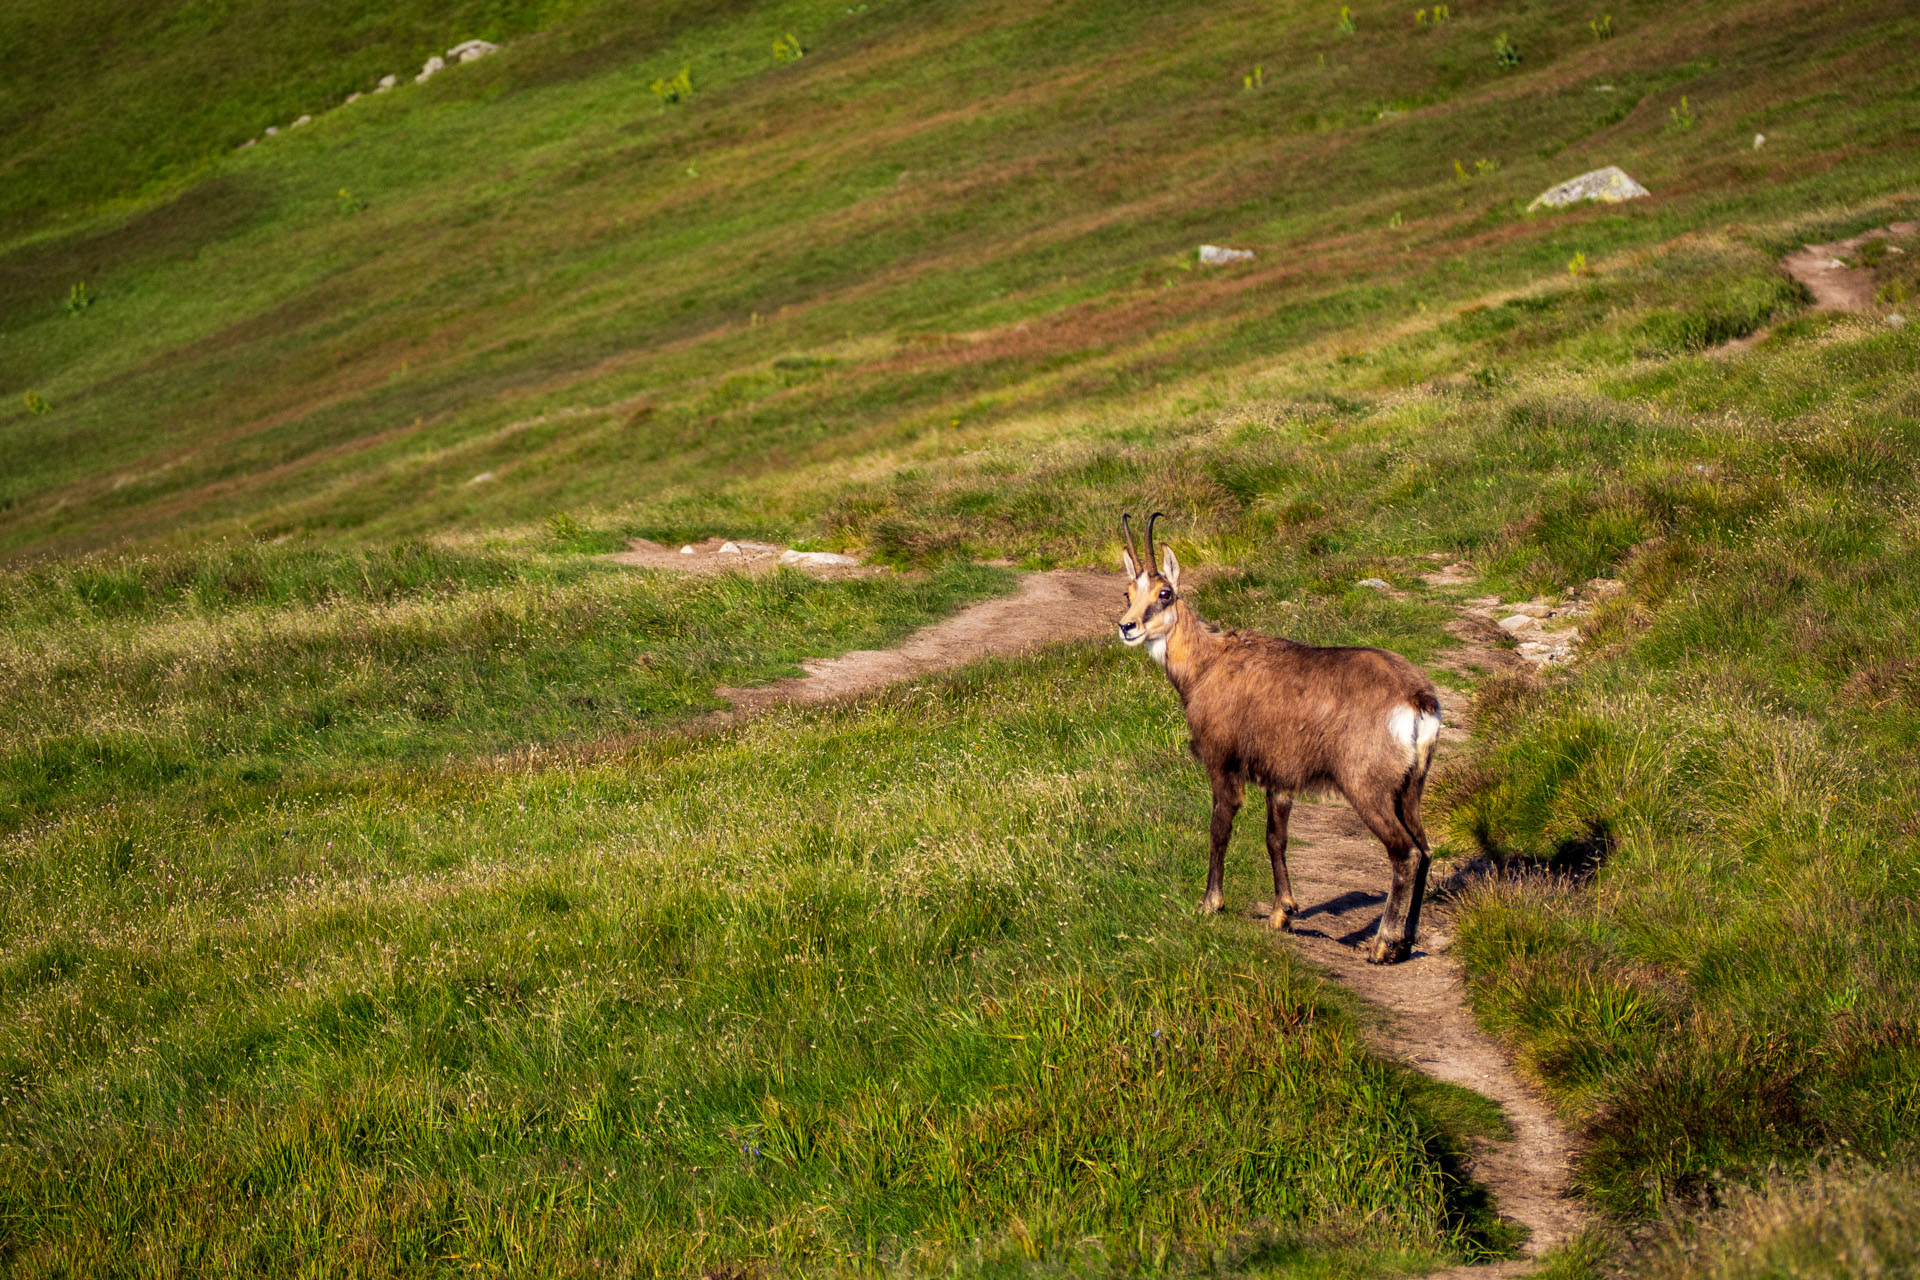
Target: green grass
x: 371, y: 908
x: 249, y: 667
x: 799, y: 991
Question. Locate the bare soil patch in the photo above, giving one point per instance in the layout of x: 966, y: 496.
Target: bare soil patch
x: 1833, y: 275
x: 1829, y: 273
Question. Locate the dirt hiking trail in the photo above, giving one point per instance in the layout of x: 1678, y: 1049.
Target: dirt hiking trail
x: 1047, y: 608
x: 1340, y: 878
x: 1340, y: 873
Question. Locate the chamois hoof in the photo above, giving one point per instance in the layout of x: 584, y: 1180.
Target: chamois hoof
x: 1279, y: 920
x: 1386, y: 951
x: 1213, y: 904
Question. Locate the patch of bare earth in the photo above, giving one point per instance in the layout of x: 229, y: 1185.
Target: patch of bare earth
x: 1340, y: 872
x: 1832, y: 274
x: 1829, y: 274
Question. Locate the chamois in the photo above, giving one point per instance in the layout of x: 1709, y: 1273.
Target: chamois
x: 1293, y: 717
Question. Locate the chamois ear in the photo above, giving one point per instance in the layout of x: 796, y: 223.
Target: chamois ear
x: 1126, y: 563
x: 1169, y: 568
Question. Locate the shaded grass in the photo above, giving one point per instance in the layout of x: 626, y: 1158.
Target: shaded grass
x: 1846, y: 1220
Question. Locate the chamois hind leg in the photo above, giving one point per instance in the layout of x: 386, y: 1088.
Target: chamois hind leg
x: 1226, y: 804
x: 1393, y: 815
x: 1279, y: 806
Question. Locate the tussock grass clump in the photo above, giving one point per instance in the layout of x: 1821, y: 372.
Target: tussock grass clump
x: 1843, y: 1221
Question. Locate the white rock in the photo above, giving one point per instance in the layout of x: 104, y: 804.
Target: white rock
x: 468, y: 50
x: 386, y: 83
x: 1533, y: 610
x: 433, y: 64
x: 686, y: 551
x: 729, y: 548
x: 1896, y: 320
x: 1835, y: 264
x: 1378, y: 584
x: 302, y: 120
x: 815, y: 559
x: 1759, y: 141
x: 482, y: 478
x: 250, y: 142
x: 1214, y: 255
x: 271, y: 130
x: 351, y: 98
x: 1516, y: 622
x: 1610, y: 185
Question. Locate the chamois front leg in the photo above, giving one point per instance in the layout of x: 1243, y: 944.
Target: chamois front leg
x: 1279, y: 806
x: 1226, y: 804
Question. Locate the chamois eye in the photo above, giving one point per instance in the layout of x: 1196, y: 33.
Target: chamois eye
x: 1166, y: 594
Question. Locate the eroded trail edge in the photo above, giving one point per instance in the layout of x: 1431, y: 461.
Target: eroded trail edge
x: 1340, y: 876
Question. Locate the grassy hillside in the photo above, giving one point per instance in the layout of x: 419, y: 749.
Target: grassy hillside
x: 367, y: 908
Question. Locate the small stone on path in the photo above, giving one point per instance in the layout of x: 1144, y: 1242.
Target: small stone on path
x: 1214, y: 255
x: 1516, y: 622
x: 1378, y: 584
x: 686, y: 551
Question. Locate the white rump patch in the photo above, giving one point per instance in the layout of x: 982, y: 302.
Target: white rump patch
x: 1415, y: 730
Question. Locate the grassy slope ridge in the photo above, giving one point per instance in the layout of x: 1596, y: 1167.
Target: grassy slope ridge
x: 359, y: 916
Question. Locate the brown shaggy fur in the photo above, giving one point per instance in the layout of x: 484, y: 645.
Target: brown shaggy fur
x: 1293, y: 718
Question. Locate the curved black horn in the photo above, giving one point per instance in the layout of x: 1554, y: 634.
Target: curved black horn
x: 1126, y: 523
x: 1150, y: 519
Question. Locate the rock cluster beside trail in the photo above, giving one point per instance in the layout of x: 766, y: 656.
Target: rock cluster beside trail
x: 1610, y: 185
x: 1543, y: 631
x: 1214, y: 255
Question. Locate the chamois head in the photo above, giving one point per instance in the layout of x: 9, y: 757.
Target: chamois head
x: 1151, y: 596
